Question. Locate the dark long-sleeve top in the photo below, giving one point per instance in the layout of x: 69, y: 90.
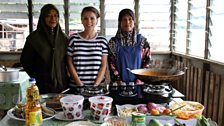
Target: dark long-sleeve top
x: 44, y: 55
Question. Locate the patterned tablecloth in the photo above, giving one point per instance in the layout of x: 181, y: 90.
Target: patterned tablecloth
x: 7, y: 121
x: 12, y: 93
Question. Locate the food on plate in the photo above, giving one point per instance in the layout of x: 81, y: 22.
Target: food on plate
x: 54, y: 101
x: 47, y: 111
x: 167, y: 124
x: 189, y: 110
x: 19, y: 111
x: 149, y: 108
x: 115, y: 121
x: 127, y: 111
x: 155, y: 122
x: 53, y: 104
x: 151, y: 105
x: 154, y: 112
x: 142, y: 109
x: 167, y: 111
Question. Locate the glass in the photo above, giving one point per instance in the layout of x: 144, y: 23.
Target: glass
x: 154, y: 22
x: 180, y: 25
x: 216, y: 38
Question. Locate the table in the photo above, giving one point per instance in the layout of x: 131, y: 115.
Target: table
x: 12, y: 93
x: 7, y: 121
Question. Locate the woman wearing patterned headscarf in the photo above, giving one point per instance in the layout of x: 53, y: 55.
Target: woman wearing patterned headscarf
x: 44, y: 53
x: 127, y: 49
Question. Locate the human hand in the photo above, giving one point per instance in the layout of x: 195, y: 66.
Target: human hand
x: 139, y: 82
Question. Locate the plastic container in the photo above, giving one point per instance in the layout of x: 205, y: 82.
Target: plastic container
x: 72, y: 106
x: 100, y: 107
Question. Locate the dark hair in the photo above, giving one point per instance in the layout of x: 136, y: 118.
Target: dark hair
x: 92, y: 9
x: 124, y: 12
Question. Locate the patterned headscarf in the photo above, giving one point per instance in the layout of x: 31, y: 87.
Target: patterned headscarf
x: 126, y: 38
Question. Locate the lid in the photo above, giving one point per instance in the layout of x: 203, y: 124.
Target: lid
x: 100, y: 99
x: 32, y: 80
x: 71, y: 98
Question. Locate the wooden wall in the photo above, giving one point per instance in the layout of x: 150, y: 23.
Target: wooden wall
x: 203, y: 86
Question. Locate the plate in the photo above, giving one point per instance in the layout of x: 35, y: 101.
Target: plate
x: 11, y: 115
x: 126, y: 110
x: 47, y: 99
x: 81, y: 123
x: 60, y: 116
x: 167, y: 119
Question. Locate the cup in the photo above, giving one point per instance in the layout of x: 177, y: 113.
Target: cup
x: 72, y: 106
x: 100, y: 107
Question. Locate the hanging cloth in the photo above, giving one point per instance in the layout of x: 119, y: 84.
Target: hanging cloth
x: 128, y: 57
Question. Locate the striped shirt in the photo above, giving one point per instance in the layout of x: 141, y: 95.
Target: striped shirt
x: 87, y: 55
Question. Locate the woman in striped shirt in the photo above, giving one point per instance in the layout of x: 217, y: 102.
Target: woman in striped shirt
x: 87, y: 52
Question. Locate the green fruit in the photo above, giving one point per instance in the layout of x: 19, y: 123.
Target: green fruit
x: 167, y: 124
x: 155, y: 122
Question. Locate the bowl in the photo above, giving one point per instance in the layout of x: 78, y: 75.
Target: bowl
x: 115, y: 121
x: 190, y: 109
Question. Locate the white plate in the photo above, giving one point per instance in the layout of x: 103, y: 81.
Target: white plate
x: 81, y: 123
x: 60, y: 116
x: 11, y: 115
x: 167, y: 119
x: 120, y: 107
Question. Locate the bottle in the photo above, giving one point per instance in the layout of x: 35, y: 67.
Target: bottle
x: 33, y: 107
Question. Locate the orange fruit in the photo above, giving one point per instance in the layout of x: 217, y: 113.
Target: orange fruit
x: 166, y: 111
x: 183, y: 116
x: 154, y: 112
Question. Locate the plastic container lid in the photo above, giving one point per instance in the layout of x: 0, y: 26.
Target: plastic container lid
x: 32, y: 80
x: 100, y: 99
x: 71, y: 98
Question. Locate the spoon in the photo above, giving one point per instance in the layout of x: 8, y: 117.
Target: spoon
x: 60, y: 94
x: 47, y: 111
x: 65, y: 91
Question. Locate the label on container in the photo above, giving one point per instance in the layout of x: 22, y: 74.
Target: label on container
x: 35, y: 118
x: 138, y: 119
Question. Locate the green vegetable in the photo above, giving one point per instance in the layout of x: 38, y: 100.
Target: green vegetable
x: 202, y: 121
x: 155, y: 122
x: 167, y: 124
x: 177, y: 123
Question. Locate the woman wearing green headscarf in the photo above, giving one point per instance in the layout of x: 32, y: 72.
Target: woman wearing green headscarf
x: 44, y: 53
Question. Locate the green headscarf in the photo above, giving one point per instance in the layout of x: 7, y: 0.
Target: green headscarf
x: 50, y: 43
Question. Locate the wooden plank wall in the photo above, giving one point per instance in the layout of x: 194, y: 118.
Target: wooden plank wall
x: 205, y: 87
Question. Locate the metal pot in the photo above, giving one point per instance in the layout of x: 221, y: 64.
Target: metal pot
x: 157, y: 74
x: 9, y: 75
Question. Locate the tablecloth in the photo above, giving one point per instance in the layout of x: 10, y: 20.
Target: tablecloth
x: 12, y: 93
